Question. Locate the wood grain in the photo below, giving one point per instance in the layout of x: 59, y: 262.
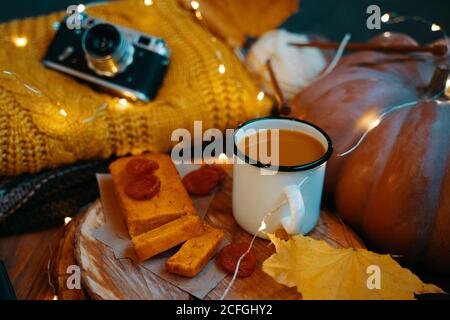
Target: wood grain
x: 260, y: 285
x: 26, y: 259
x: 105, y: 277
x: 436, y: 49
x: 62, y: 258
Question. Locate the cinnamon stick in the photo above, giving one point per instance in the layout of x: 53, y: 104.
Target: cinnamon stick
x: 436, y: 49
x: 282, y: 106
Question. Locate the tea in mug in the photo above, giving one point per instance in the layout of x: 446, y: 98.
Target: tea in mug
x: 295, y: 148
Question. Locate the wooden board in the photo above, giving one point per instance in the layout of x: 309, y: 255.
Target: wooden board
x: 26, y: 257
x: 63, y: 258
x: 105, y: 277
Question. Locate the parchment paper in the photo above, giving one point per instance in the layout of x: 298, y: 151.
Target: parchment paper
x: 115, y: 235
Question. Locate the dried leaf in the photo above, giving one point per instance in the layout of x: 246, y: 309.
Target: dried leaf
x: 320, y: 271
x: 233, y: 20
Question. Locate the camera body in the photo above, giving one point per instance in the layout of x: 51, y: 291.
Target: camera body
x: 121, y: 60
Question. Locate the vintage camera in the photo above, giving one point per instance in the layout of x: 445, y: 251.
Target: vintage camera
x: 123, y: 61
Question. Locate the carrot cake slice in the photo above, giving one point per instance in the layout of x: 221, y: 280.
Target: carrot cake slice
x: 171, y: 202
x: 195, y: 253
x: 167, y: 236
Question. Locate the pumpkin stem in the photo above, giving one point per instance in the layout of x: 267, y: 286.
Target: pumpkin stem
x: 436, y: 87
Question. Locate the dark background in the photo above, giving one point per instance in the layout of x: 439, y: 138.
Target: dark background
x: 331, y: 18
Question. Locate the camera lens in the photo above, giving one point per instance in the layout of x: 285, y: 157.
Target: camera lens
x: 107, y: 51
x: 102, y: 40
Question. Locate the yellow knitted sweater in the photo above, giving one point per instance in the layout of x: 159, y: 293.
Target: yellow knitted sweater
x: 48, y: 119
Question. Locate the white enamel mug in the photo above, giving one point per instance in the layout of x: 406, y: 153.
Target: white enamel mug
x: 287, y: 197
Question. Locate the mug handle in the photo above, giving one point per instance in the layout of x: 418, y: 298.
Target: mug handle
x: 292, y: 222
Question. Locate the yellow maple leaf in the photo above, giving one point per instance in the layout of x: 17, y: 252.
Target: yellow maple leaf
x: 320, y: 271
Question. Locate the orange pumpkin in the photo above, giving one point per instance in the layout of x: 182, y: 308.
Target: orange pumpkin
x: 395, y: 187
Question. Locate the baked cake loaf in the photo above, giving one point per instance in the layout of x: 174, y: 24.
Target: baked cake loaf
x: 171, y: 202
x: 195, y: 253
x: 167, y: 236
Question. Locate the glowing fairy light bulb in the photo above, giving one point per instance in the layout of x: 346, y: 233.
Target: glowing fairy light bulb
x: 63, y: 112
x: 20, y: 41
x: 385, y: 17
x: 122, y: 104
x: 375, y: 123
x: 195, y: 5
x: 67, y: 220
x: 223, y: 158
x: 369, y: 121
x: 148, y: 2
x: 198, y: 15
x: 260, y: 96
x: 262, y: 226
x: 222, y: 69
x: 435, y: 27
x: 387, y: 34
x: 81, y: 8
x: 55, y: 297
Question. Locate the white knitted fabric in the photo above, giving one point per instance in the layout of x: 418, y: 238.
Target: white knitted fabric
x: 294, y: 67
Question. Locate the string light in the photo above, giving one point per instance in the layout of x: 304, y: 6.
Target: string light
x: 20, y: 41
x: 435, y: 27
x: 81, y: 8
x: 198, y: 15
x: 223, y: 158
x: 260, y: 96
x: 67, y: 220
x: 61, y: 111
x: 122, y: 104
x: 371, y: 121
x: 375, y: 123
x: 56, y: 25
x: 55, y: 297
x: 337, y: 57
x: 238, y: 264
x: 195, y: 5
x: 262, y: 227
x: 387, y: 34
x: 97, y: 112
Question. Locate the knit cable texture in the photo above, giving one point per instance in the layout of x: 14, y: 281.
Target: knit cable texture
x: 48, y: 119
